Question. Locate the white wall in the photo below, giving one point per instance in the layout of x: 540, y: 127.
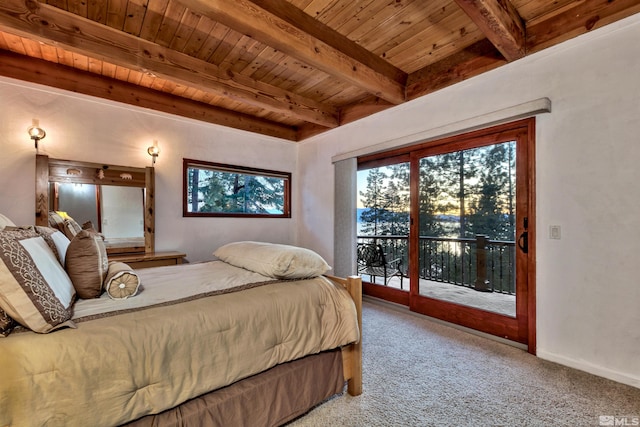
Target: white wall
x: 83, y: 128
x: 588, y: 182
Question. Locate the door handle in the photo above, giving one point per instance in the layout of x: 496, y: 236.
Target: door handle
x: 523, y: 242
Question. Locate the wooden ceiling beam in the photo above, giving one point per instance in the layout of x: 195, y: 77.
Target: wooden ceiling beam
x: 362, y: 109
x: 308, y: 130
x: 348, y: 114
x: 476, y: 59
x: 249, y: 19
x: 48, y: 24
x: 306, y: 23
x: 500, y: 23
x: 578, y: 18
x: 46, y: 73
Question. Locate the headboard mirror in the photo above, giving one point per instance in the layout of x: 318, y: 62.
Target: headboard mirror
x: 118, y: 200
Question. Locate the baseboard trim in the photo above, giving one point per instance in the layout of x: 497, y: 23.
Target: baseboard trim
x: 600, y: 371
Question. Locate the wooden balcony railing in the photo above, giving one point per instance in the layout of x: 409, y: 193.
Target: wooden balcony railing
x: 478, y: 263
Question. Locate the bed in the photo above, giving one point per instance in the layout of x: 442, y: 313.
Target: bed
x: 223, y: 342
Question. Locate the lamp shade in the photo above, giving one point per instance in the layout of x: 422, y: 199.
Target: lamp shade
x: 153, y: 150
x: 36, y: 132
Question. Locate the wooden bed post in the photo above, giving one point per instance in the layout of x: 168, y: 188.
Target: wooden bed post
x: 352, y: 354
x: 354, y: 386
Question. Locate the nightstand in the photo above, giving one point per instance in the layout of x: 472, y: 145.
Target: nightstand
x: 152, y: 259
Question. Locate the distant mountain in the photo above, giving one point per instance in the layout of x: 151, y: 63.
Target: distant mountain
x: 445, y: 218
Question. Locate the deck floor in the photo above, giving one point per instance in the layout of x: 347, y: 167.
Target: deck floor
x: 489, y: 301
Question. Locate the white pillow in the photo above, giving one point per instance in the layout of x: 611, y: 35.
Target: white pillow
x: 273, y: 260
x: 62, y: 244
x: 4, y: 221
x: 50, y: 269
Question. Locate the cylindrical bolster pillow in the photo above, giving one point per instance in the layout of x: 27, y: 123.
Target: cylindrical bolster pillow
x: 121, y: 281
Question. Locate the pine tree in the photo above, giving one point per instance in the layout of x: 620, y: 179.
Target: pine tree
x: 430, y: 197
x: 373, y: 200
x: 217, y: 191
x: 386, y: 199
x: 398, y: 197
x: 492, y: 211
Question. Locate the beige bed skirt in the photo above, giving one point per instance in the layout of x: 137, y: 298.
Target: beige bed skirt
x: 268, y: 399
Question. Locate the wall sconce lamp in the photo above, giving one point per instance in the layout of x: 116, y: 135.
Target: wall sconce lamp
x: 36, y: 132
x: 154, y: 151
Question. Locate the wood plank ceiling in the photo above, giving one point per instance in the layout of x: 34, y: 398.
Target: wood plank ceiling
x: 284, y: 68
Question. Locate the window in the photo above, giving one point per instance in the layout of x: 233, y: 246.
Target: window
x: 213, y: 189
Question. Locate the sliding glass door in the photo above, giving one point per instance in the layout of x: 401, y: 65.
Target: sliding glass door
x: 466, y: 221
x: 384, y: 201
x: 452, y: 221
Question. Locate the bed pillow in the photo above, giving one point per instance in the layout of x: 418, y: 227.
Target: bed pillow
x: 34, y: 289
x: 87, y: 263
x: 56, y: 221
x: 57, y: 241
x: 4, y: 221
x: 121, y: 281
x: 6, y: 323
x: 273, y: 260
x: 62, y: 222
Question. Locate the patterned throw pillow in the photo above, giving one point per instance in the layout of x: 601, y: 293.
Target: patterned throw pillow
x: 62, y: 222
x: 34, y: 288
x: 56, y: 221
x: 6, y: 323
x: 57, y: 241
x: 72, y: 227
x: 87, y: 263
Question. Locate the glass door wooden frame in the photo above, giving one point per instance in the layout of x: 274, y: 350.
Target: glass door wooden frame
x: 522, y: 328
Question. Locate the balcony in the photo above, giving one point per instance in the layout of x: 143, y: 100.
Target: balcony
x: 477, y: 272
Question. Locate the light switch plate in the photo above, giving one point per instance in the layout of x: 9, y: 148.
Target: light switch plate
x: 555, y: 232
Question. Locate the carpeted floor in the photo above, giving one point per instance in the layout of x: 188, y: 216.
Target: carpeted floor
x: 421, y: 373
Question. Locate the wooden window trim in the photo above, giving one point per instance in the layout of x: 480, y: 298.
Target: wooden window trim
x: 286, y: 176
x: 521, y: 329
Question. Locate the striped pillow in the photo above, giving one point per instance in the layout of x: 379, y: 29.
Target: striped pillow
x: 34, y: 289
x: 62, y: 222
x: 56, y: 221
